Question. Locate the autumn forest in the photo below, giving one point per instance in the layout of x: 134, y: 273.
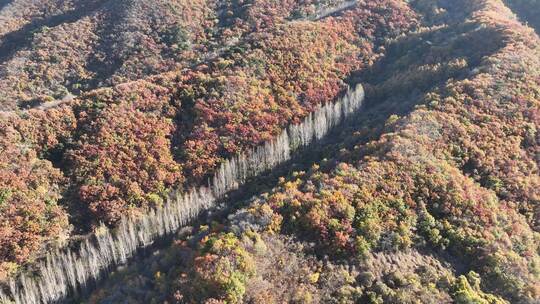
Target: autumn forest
x: 312, y: 151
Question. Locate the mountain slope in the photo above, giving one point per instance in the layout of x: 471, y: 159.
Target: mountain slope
x: 439, y: 206
x: 429, y: 195
x: 118, y: 151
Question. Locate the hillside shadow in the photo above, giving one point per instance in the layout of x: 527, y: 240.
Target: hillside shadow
x: 327, y: 148
x: 22, y: 38
x: 527, y: 15
x: 107, y: 60
x: 387, y: 95
x: 372, y: 117
x: 3, y: 3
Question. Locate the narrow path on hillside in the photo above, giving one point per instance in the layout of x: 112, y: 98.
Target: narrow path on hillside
x: 379, y: 106
x: 23, y: 37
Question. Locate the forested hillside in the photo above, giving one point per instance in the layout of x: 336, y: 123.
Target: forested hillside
x: 428, y: 195
x: 53, y: 49
x: 117, y: 151
x: 436, y: 205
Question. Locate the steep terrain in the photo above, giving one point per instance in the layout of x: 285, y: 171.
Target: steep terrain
x: 429, y: 195
x: 440, y: 206
x: 117, y: 151
x: 52, y: 49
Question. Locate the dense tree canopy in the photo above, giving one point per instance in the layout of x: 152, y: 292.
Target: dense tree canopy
x: 437, y: 205
x: 118, y: 151
x: 431, y: 194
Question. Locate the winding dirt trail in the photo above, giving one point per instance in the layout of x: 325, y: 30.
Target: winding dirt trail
x: 210, y: 56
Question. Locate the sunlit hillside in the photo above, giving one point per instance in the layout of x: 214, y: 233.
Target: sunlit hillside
x: 278, y: 151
